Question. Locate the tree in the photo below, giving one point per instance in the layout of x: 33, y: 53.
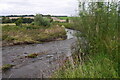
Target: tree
x: 19, y: 22
x: 6, y: 20
x: 40, y: 21
x: 67, y: 20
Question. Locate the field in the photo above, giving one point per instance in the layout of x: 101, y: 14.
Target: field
x: 31, y: 34
x: 64, y: 18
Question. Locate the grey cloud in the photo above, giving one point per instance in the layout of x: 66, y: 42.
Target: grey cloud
x: 53, y: 7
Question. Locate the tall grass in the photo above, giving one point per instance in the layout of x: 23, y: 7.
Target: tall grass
x: 99, y: 25
x: 31, y: 34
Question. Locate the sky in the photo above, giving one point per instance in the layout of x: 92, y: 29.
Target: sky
x: 52, y: 7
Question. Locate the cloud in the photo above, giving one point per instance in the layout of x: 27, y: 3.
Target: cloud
x: 53, y: 7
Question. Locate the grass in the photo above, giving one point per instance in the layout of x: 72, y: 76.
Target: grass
x: 7, y: 67
x: 67, y: 25
x: 31, y: 34
x: 64, y: 18
x: 34, y: 55
x: 96, y: 66
x: 99, y: 28
x: 74, y: 24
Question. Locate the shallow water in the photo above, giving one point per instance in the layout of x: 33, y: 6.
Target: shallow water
x: 50, y: 56
x: 70, y: 33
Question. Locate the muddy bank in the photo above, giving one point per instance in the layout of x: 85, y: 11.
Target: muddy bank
x: 50, y: 57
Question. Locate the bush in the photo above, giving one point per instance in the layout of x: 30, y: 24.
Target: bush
x: 40, y: 21
x: 7, y: 67
x: 32, y: 23
x: 46, y: 23
x: 19, y: 22
x: 34, y: 55
x: 6, y: 20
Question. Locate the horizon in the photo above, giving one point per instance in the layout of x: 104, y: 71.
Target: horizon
x: 31, y: 14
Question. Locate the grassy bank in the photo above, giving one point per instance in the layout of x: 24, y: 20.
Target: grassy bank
x: 67, y: 25
x: 99, y: 28
x: 27, y: 34
x: 64, y: 18
x: 72, y: 25
x: 96, y: 66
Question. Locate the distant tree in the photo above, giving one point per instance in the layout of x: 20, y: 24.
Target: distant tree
x: 27, y: 20
x: 46, y: 15
x: 19, y: 22
x: 6, y: 20
x: 40, y: 21
x: 24, y: 20
x: 51, y: 20
x: 67, y: 20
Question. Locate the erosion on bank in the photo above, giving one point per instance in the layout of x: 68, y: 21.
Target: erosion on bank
x: 27, y: 34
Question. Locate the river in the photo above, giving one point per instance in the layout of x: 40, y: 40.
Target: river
x: 50, y: 56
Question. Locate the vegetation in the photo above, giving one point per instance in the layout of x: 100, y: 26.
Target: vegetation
x: 34, y: 55
x: 6, y: 20
x: 7, y: 67
x: 28, y: 34
x: 40, y: 21
x: 98, y: 24
x: 19, y: 22
x: 24, y: 20
x: 68, y: 25
x: 64, y: 18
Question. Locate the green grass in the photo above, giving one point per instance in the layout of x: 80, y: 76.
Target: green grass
x: 69, y: 26
x: 31, y: 34
x: 7, y: 67
x: 64, y: 18
x: 100, y: 30
x: 33, y: 55
x: 96, y: 66
x: 74, y: 24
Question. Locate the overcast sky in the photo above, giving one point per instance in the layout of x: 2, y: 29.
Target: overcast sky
x: 52, y: 7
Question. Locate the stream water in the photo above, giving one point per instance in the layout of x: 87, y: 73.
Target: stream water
x: 50, y: 57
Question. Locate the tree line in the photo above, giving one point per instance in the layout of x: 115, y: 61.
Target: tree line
x: 24, y: 20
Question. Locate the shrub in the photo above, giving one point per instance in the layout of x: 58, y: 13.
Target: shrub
x: 6, y: 20
x: 46, y: 23
x: 40, y: 21
x: 32, y: 23
x: 7, y: 67
x: 19, y: 22
x: 34, y: 55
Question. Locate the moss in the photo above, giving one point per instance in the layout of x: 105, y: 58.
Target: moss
x: 7, y: 67
x: 33, y: 55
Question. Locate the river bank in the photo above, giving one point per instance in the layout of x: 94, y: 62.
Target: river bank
x: 29, y: 34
